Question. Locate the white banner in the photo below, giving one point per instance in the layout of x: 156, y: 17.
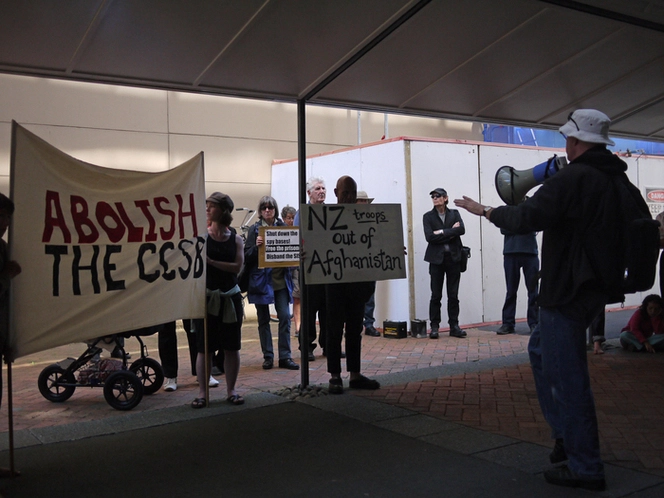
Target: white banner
x: 102, y: 250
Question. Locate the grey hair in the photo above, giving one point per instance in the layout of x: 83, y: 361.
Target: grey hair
x: 267, y: 199
x: 311, y: 182
x: 288, y: 210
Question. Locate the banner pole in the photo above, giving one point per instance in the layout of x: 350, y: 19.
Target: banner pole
x: 207, y: 364
x: 10, y: 418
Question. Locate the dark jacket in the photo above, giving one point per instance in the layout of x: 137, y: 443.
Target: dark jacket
x: 578, y: 212
x: 260, y: 289
x: 451, y: 236
x: 519, y: 243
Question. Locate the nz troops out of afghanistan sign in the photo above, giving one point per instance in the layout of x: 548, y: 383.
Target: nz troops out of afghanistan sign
x: 352, y: 242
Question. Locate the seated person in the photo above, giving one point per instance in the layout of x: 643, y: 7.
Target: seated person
x: 645, y: 330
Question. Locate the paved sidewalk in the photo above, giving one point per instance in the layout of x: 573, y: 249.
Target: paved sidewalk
x: 380, y: 357
x: 452, y: 399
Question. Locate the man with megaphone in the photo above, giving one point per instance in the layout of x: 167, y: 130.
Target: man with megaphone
x: 578, y: 211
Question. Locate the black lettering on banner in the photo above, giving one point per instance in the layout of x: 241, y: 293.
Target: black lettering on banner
x: 76, y: 269
x: 199, y: 265
x: 111, y: 284
x: 56, y: 252
x: 148, y: 246
x: 184, y: 272
x: 168, y: 246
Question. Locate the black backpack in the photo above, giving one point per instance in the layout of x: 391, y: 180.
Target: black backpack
x: 641, y: 240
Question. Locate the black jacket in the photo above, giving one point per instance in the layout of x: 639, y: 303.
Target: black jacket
x: 451, y: 236
x: 578, y: 212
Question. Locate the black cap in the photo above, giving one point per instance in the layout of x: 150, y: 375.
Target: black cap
x: 223, y: 200
x: 440, y: 191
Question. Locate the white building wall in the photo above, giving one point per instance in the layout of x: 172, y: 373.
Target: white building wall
x: 404, y: 171
x: 153, y: 130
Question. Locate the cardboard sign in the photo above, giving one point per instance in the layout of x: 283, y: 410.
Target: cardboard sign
x: 281, y: 247
x: 352, y: 242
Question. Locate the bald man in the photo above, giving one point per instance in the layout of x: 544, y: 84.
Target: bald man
x: 347, y: 300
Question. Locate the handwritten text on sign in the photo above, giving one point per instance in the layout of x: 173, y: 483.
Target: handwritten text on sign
x: 281, y: 247
x: 352, y: 242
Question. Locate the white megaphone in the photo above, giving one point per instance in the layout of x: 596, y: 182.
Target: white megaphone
x: 513, y: 185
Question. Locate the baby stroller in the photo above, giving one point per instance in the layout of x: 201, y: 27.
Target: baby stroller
x: 123, y: 385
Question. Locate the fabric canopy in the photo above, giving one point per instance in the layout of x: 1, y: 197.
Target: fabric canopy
x: 520, y: 62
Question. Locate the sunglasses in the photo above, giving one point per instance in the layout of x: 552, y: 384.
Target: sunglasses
x: 435, y: 196
x: 269, y: 206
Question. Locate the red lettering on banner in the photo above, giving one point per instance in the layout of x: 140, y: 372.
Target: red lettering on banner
x: 191, y: 213
x: 165, y: 234
x: 135, y: 233
x: 105, y: 210
x: 152, y: 233
x: 91, y: 220
x: 79, y: 213
x: 50, y: 221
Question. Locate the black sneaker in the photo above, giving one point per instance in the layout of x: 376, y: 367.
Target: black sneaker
x: 118, y: 353
x: 268, y: 364
x: 562, y: 476
x: 289, y: 364
x: 558, y: 454
x: 336, y: 386
x: 505, y: 329
x: 312, y: 356
x: 371, y: 331
x: 455, y: 331
x: 434, y: 334
x: 364, y: 383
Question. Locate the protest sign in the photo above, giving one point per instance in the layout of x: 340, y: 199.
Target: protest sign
x: 352, y: 242
x: 281, y: 247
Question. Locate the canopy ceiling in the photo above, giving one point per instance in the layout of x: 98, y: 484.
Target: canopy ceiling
x: 521, y: 62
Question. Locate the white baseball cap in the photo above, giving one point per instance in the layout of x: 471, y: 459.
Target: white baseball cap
x: 588, y: 125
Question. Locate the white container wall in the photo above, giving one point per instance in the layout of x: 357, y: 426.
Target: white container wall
x: 404, y: 170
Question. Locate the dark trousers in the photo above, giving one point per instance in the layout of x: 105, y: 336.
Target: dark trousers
x: 661, y: 274
x: 513, y: 264
x: 451, y: 270
x: 168, y: 350
x: 190, y: 326
x: 316, y: 305
x: 347, y: 300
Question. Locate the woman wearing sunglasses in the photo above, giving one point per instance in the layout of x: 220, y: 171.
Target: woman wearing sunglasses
x: 269, y: 286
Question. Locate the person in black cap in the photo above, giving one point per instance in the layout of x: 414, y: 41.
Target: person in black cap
x: 443, y: 228
x: 224, y: 258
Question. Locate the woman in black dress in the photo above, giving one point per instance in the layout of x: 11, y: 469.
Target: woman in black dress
x: 225, y: 255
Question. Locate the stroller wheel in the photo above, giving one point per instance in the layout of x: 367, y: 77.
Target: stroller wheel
x: 123, y: 390
x: 51, y: 381
x: 150, y: 373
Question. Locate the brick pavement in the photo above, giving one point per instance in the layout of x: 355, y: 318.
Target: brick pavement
x: 379, y: 356
x: 500, y: 400
x: 629, y: 395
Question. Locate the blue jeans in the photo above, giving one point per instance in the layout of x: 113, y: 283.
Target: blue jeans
x: 264, y: 332
x: 654, y: 340
x: 513, y: 264
x: 558, y: 357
